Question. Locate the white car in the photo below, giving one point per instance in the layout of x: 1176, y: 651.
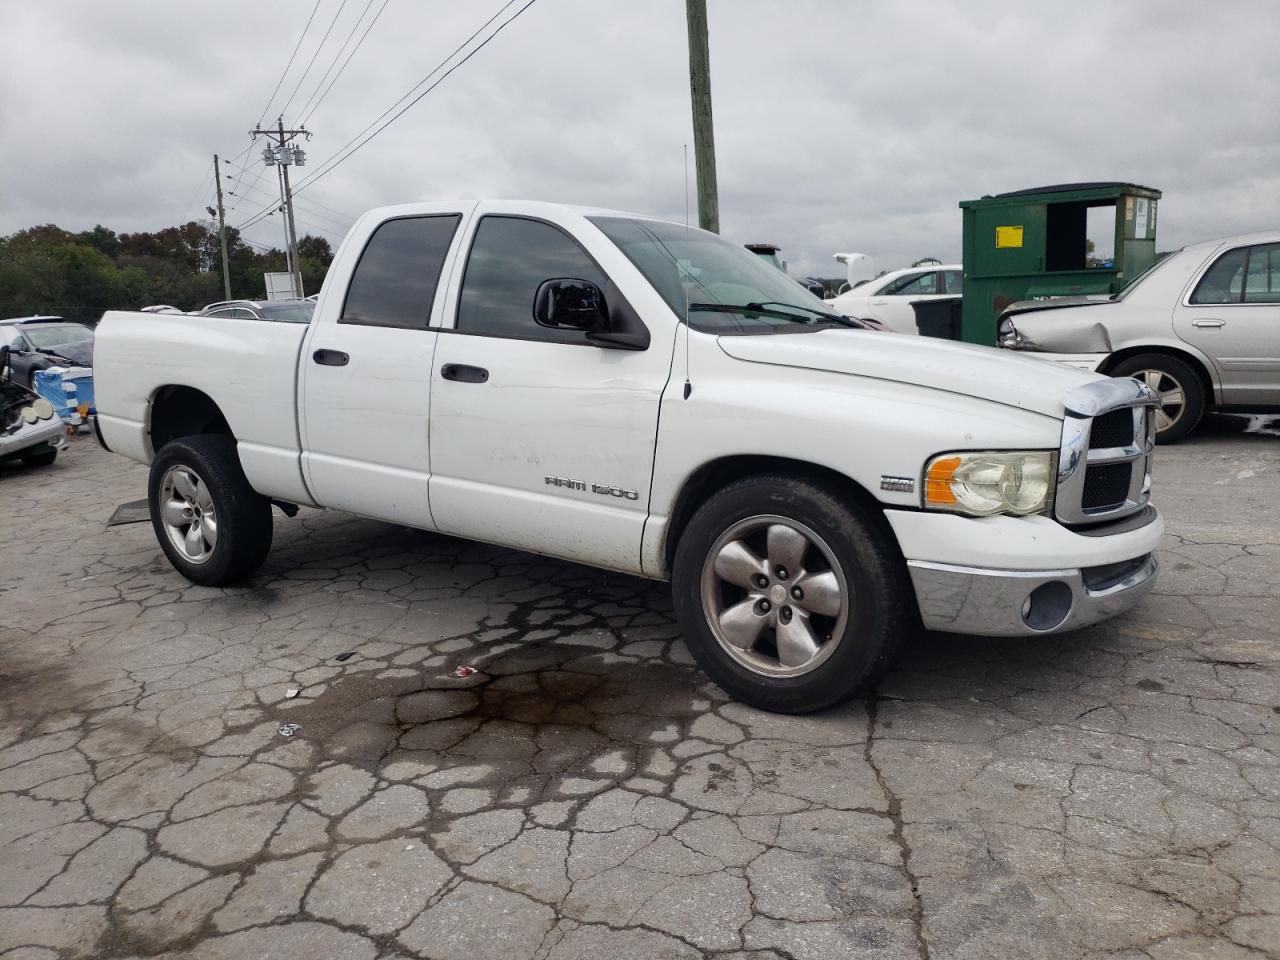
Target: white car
x: 1201, y: 328
x: 635, y: 395
x: 888, y: 298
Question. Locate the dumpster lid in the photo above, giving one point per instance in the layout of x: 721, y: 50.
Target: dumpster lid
x: 1070, y: 187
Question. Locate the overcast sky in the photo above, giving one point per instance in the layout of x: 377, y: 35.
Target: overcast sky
x: 839, y: 125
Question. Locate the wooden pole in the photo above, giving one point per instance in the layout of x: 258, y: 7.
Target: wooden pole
x: 222, y: 231
x: 704, y: 144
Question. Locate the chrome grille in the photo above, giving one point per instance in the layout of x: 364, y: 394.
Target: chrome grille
x: 1104, y: 464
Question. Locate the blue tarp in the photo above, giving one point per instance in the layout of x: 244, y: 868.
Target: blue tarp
x: 68, y: 390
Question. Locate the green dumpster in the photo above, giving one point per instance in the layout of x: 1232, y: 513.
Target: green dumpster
x: 1073, y: 239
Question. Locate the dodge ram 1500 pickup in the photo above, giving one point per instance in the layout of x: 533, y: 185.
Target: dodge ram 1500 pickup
x: 633, y: 394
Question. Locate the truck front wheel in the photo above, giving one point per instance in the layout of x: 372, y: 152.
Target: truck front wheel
x: 214, y: 528
x: 788, y: 596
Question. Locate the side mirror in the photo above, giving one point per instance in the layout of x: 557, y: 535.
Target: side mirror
x: 570, y: 303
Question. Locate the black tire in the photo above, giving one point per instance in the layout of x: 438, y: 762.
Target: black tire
x: 1188, y: 416
x: 42, y: 459
x: 243, y: 516
x: 880, y: 607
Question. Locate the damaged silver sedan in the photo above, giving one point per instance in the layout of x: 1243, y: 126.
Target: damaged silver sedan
x: 29, y: 429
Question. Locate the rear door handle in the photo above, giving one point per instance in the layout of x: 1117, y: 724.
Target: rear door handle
x: 1208, y: 323
x: 331, y: 358
x: 464, y: 373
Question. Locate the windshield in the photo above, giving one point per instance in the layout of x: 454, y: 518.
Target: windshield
x: 693, y: 267
x: 294, y: 312
x: 44, y: 336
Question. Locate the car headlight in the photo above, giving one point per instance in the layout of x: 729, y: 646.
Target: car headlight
x: 1007, y: 336
x: 981, y: 484
x: 40, y: 409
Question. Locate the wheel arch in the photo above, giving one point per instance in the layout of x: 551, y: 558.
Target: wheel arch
x: 715, y: 475
x: 176, y: 410
x: 1202, y: 367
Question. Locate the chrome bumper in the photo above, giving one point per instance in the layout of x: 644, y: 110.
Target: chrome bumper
x: 1014, y: 603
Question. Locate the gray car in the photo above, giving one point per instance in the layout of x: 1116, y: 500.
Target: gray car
x: 1201, y: 328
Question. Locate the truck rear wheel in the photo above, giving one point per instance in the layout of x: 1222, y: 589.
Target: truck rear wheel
x: 214, y: 528
x: 788, y: 596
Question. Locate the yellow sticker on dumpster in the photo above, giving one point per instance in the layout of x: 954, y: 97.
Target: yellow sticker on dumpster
x: 1009, y: 236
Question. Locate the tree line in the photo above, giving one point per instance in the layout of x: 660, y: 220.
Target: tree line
x: 48, y: 270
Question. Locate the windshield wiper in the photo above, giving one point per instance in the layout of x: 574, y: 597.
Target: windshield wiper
x: 764, y: 309
x: 824, y: 314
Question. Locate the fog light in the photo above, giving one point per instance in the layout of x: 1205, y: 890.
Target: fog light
x: 1047, y: 606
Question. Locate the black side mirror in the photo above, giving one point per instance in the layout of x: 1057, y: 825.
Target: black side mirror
x: 575, y: 304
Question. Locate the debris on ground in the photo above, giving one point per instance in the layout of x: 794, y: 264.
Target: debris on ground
x: 345, y: 656
x: 291, y: 693
x: 289, y: 729
x: 463, y: 671
x: 135, y: 511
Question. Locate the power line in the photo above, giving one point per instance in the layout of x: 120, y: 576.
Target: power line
x: 335, y: 161
x: 335, y: 216
x: 320, y: 100
x: 296, y: 47
x: 336, y: 57
x: 307, y: 69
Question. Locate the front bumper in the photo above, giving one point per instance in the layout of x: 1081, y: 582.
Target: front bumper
x: 1011, y: 603
x: 31, y: 435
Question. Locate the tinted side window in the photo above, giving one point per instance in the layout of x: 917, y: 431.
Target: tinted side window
x: 1223, y: 281
x: 1262, y: 276
x: 953, y: 280
x: 919, y: 285
x: 394, y: 283
x: 510, y: 257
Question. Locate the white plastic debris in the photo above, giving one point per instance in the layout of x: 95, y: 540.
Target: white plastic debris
x: 291, y: 693
x: 289, y: 729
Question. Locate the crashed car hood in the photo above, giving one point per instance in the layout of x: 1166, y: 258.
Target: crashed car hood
x: 982, y: 372
x: 81, y: 354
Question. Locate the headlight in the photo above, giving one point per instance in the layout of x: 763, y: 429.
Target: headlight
x: 43, y: 408
x: 1007, y: 336
x: 982, y: 484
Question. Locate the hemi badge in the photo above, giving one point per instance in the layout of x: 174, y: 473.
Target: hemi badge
x: 898, y: 484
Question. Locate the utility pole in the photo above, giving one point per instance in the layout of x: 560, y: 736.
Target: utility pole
x: 704, y: 143
x: 288, y: 212
x: 283, y: 154
x: 222, y: 231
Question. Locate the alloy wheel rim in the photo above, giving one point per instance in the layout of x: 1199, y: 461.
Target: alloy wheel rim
x: 1168, y: 389
x: 774, y: 596
x: 188, y: 515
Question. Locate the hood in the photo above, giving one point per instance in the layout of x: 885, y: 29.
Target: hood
x: 81, y: 354
x: 982, y: 372
x: 12, y: 399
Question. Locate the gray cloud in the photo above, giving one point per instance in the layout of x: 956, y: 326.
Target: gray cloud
x: 838, y: 125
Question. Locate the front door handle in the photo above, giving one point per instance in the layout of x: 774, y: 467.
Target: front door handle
x: 1208, y: 323
x: 331, y: 358
x: 464, y: 373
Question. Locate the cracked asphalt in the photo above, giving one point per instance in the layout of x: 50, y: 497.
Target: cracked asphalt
x: 586, y: 793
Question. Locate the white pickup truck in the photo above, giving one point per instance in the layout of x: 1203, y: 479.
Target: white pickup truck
x: 523, y: 373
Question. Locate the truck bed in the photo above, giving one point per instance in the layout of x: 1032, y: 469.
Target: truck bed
x: 248, y: 367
